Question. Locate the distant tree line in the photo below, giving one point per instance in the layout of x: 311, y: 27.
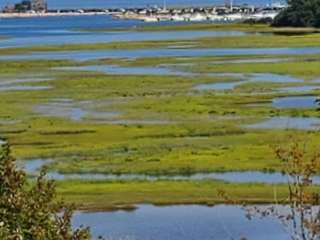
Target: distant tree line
x: 300, y: 13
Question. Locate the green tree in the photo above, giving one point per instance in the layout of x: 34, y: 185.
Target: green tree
x: 29, y: 209
x: 300, y: 13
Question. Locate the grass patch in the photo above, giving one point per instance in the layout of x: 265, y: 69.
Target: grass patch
x: 113, y: 195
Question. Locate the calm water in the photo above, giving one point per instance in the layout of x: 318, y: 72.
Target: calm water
x: 298, y: 123
x: 32, y: 167
x: 130, y: 3
x: 246, y: 78
x: 75, y: 111
x: 295, y: 102
x: 64, y: 30
x: 161, y: 52
x: 190, y: 222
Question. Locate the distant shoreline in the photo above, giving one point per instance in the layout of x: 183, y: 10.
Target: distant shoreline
x: 213, y: 13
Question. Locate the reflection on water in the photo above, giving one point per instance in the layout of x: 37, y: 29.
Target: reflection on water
x: 182, y: 222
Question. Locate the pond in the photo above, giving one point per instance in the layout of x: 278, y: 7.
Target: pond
x: 191, y: 222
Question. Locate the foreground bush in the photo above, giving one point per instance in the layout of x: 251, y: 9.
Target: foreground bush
x: 29, y: 211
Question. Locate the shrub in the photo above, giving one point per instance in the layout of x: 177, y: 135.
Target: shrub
x: 29, y: 209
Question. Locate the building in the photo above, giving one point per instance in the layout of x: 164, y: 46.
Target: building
x: 38, y: 5
x: 27, y: 6
x: 23, y: 6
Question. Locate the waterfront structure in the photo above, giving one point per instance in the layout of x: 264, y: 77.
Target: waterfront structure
x: 38, y: 5
x: 27, y: 6
x: 237, y: 13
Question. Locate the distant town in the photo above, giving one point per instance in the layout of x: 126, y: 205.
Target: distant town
x: 227, y: 12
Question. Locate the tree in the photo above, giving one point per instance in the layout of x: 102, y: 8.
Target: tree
x: 29, y: 209
x: 301, y: 213
x: 300, y: 13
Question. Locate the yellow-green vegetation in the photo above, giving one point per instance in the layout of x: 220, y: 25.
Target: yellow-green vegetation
x: 124, y: 195
x: 304, y: 69
x: 91, y: 122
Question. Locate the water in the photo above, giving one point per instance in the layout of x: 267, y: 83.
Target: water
x: 299, y: 89
x: 10, y: 81
x: 275, y: 78
x: 111, y: 36
x: 298, y: 123
x: 232, y: 177
x: 295, y: 102
x: 128, y: 3
x: 218, y: 86
x: 252, y: 60
x: 182, y: 222
x: 160, y: 52
x: 75, y: 111
x: 28, y: 32
x: 246, y: 78
x: 21, y: 84
x: 32, y: 167
x: 23, y: 88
